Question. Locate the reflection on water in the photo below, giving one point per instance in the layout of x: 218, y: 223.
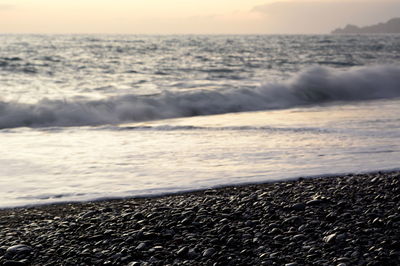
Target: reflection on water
x: 64, y: 164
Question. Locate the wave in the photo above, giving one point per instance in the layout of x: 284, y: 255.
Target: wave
x: 314, y: 85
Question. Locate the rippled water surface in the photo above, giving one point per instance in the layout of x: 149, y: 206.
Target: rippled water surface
x: 88, y: 117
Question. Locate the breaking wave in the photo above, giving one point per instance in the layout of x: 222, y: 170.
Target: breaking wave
x: 315, y: 85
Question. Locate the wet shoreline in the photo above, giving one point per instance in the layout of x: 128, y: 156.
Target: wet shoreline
x: 342, y: 220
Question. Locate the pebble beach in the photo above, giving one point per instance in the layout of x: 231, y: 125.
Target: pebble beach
x: 341, y: 220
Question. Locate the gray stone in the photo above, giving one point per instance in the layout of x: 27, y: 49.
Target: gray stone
x: 134, y: 263
x: 314, y: 202
x: 142, y: 246
x: 298, y: 237
x: 330, y: 238
x: 294, y: 220
x: 276, y: 231
x: 274, y: 255
x: 88, y: 214
x: 341, y: 237
x: 355, y: 254
x: 19, y: 249
x: 299, y: 206
x: 209, y: 252
x: 192, y: 254
x: 182, y: 252
x: 14, y: 263
x: 343, y: 259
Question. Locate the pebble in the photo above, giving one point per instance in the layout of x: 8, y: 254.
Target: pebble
x: 299, y: 237
x: 299, y: 207
x: 341, y: 237
x: 342, y: 259
x: 270, y: 224
x: 276, y: 231
x: 274, y: 255
x: 294, y: 220
x: 330, y: 238
x: 182, y: 252
x: 14, y: 263
x: 209, y: 252
x: 314, y: 202
x: 19, y: 249
x: 134, y: 263
x: 142, y: 246
x: 88, y: 214
x: 192, y: 254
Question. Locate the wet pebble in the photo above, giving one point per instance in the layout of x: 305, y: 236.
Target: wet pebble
x: 17, y: 249
x: 209, y: 252
x: 330, y: 238
x: 323, y: 221
x: 299, y: 207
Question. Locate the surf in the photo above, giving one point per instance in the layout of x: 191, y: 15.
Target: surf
x: 312, y: 86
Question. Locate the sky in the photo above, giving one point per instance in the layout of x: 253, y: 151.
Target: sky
x: 191, y: 16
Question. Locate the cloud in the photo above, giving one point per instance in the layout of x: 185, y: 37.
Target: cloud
x: 322, y: 17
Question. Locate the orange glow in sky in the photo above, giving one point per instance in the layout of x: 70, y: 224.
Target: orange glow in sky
x: 188, y: 16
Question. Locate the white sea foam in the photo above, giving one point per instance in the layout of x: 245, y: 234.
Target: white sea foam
x: 52, y: 164
x: 315, y: 85
x: 102, y: 81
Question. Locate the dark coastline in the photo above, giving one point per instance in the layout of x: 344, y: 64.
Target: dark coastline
x: 343, y: 220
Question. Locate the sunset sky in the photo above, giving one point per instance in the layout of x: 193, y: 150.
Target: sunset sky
x: 190, y: 16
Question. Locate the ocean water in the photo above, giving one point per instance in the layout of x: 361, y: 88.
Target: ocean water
x: 94, y: 117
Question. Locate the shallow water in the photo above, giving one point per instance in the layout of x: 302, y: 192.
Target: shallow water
x: 252, y: 109
x: 58, y: 164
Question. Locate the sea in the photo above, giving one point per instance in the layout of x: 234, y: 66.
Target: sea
x: 89, y: 117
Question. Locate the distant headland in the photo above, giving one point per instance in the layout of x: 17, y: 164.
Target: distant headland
x: 392, y: 26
